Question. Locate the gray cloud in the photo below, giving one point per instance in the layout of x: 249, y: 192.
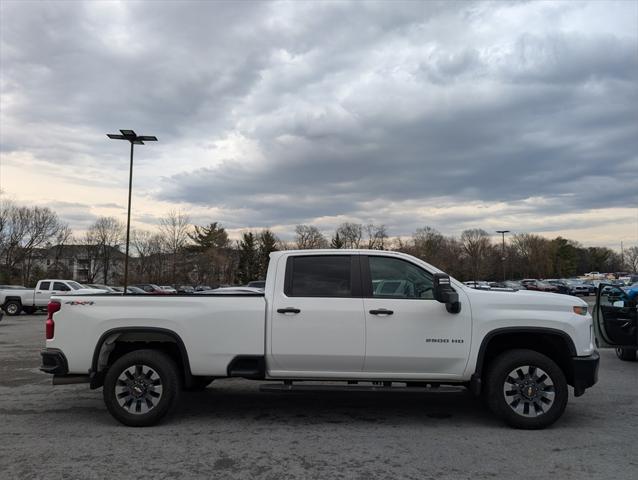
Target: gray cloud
x: 349, y: 106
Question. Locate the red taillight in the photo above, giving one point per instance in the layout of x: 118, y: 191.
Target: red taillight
x: 52, y: 307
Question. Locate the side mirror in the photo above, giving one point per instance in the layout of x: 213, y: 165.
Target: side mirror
x: 444, y: 293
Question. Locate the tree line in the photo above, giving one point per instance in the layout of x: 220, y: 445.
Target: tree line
x: 180, y: 252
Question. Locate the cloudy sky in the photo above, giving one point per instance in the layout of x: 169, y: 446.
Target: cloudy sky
x: 499, y: 115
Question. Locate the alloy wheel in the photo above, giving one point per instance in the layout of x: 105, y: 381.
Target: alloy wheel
x: 138, y: 389
x: 529, y: 391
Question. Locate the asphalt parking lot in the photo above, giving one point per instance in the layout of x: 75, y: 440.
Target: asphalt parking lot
x: 231, y: 430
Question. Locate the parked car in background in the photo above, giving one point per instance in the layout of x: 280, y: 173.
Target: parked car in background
x: 100, y: 287
x: 231, y: 290
x: 507, y: 284
x: 480, y: 285
x: 129, y: 289
x: 201, y: 288
x: 150, y: 288
x: 15, y: 301
x: 168, y: 289
x: 560, y: 285
x: 257, y: 284
x: 537, y: 285
x: 184, y: 289
x: 578, y: 288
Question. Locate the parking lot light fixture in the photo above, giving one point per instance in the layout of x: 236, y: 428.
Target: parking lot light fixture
x: 133, y: 139
x: 503, y: 232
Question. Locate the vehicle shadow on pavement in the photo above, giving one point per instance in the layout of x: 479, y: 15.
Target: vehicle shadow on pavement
x: 338, y: 407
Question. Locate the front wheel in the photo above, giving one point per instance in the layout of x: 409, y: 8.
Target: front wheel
x: 141, y: 387
x: 526, y: 389
x: 626, y: 354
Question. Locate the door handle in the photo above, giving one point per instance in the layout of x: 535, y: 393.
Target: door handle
x: 381, y: 311
x: 288, y: 310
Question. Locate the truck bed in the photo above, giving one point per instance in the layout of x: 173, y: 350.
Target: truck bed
x: 213, y: 328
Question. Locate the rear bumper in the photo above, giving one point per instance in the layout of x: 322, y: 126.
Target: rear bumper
x: 53, y: 362
x: 585, y: 372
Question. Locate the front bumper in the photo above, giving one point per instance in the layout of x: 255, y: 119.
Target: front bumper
x: 585, y: 372
x: 53, y: 362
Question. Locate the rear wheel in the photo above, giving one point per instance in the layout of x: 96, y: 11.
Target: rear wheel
x: 141, y: 387
x: 13, y: 307
x: 526, y: 389
x: 626, y: 354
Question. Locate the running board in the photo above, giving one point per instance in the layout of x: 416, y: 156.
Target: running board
x: 280, y: 387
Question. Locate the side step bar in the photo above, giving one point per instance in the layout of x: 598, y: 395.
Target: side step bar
x: 289, y: 387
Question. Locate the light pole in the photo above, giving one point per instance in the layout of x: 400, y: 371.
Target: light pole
x: 503, y: 232
x: 134, y: 139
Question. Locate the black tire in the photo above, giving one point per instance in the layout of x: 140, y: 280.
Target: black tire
x: 199, y: 384
x: 13, y: 307
x: 626, y: 354
x: 155, y: 400
x: 526, y: 389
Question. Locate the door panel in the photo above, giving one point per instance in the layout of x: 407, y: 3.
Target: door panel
x: 317, y: 323
x: 43, y: 294
x: 617, y: 317
x: 419, y: 336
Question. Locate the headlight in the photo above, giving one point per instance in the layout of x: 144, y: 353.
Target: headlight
x: 580, y: 310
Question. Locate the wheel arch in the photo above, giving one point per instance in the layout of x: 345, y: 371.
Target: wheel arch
x: 554, y: 343
x: 136, y: 338
x: 8, y: 299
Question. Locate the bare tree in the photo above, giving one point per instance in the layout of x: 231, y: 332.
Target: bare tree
x: 148, y: 250
x: 476, y: 245
x: 631, y: 259
x: 309, y: 236
x: 25, y: 229
x: 427, y: 242
x: 89, y: 262
x: 62, y: 239
x: 534, y: 254
x: 350, y: 234
x: 107, y: 234
x: 377, y: 236
x: 175, y: 229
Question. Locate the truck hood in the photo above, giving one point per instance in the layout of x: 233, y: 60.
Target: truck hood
x: 524, y: 299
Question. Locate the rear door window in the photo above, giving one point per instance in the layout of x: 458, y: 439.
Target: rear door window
x: 319, y: 276
x: 44, y: 285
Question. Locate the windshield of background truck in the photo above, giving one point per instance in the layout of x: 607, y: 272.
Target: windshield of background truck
x: 75, y: 285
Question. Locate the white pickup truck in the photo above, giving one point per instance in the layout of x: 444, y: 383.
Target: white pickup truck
x: 354, y: 316
x: 15, y: 300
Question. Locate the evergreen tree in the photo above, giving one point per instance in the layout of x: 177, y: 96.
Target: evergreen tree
x: 266, y: 243
x: 248, y: 264
x: 336, y: 241
x: 212, y: 236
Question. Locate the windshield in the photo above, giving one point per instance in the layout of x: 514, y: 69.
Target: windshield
x: 75, y: 285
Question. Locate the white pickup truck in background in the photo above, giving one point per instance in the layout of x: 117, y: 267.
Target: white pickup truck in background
x: 352, y: 316
x: 16, y: 300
